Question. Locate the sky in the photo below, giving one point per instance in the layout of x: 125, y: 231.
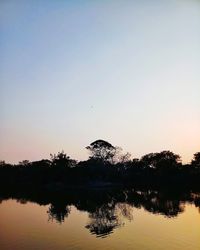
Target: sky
x: 75, y: 71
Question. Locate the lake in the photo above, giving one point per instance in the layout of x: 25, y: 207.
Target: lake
x: 101, y: 220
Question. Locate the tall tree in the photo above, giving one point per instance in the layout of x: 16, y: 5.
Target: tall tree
x: 102, y: 150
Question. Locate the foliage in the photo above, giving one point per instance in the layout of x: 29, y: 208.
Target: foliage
x: 164, y: 159
x: 196, y: 160
x: 62, y: 160
x: 106, y: 165
x: 102, y: 150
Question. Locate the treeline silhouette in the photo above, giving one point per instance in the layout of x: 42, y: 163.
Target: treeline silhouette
x: 107, y: 209
x: 106, y: 166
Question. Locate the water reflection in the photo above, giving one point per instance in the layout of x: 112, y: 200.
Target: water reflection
x: 109, y: 209
x: 58, y: 212
x: 108, y: 217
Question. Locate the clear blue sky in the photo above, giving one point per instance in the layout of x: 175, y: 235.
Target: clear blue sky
x: 74, y: 71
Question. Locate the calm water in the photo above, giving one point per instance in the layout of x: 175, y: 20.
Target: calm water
x: 153, y: 223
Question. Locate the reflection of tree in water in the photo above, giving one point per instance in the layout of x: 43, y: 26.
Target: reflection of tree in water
x: 108, y: 210
x: 22, y: 201
x: 196, y: 198
x: 58, y: 212
x: 108, y: 217
x: 167, y: 208
x: 157, y: 204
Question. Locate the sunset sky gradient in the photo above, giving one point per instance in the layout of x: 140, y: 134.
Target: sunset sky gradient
x: 72, y: 72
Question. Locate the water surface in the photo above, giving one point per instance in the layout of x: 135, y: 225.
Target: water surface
x: 153, y: 224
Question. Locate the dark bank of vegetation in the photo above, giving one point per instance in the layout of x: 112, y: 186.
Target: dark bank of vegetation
x: 106, y: 166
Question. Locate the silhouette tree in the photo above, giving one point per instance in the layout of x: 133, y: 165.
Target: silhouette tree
x: 102, y: 150
x: 2, y: 163
x: 162, y: 160
x: 196, y: 160
x: 24, y: 163
x: 62, y: 160
x: 121, y: 157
